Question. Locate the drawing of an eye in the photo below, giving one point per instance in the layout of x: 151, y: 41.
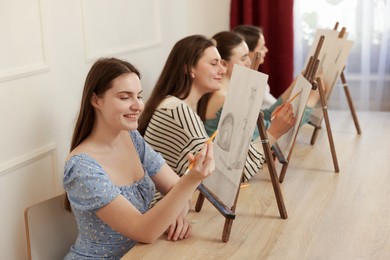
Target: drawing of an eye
x: 226, y: 132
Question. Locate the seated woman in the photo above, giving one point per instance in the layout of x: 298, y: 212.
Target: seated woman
x: 255, y: 40
x: 111, y: 172
x: 234, y: 50
x: 170, y: 123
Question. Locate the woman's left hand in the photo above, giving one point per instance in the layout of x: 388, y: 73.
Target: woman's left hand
x: 180, y: 229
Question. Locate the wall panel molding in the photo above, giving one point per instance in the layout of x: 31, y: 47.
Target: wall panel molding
x: 22, y: 72
x: 23, y: 53
x: 103, y: 19
x: 28, y: 158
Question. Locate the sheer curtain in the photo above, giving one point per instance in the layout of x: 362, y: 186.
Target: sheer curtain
x: 368, y: 68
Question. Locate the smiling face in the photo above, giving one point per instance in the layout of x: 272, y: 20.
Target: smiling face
x: 207, y: 73
x: 261, y: 48
x: 239, y: 55
x: 120, y: 106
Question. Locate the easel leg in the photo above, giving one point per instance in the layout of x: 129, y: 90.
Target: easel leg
x: 315, y: 134
x: 271, y: 167
x: 283, y: 172
x: 328, y: 128
x: 350, y: 103
x: 199, y: 202
x: 227, y: 229
x: 274, y: 179
x: 277, y: 190
x: 228, y: 213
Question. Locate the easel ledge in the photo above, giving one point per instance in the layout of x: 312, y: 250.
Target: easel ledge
x: 206, y: 193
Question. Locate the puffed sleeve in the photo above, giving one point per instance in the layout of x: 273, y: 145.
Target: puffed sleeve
x: 151, y: 160
x: 86, y: 184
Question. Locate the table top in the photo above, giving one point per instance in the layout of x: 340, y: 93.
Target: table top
x: 205, y: 240
x: 330, y: 215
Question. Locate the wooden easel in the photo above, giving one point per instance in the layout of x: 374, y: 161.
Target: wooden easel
x: 229, y: 213
x: 350, y: 103
x: 271, y: 167
x: 310, y: 74
x: 268, y: 153
x: 317, y: 127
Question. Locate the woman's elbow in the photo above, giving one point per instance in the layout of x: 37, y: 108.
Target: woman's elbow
x: 149, y: 237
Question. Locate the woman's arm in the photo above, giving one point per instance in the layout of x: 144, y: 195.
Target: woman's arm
x: 123, y: 217
x: 164, y: 180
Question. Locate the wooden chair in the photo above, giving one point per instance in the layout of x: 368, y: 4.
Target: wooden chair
x: 50, y: 229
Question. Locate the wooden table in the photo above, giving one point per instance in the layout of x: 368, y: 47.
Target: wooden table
x: 330, y: 215
x: 205, y: 241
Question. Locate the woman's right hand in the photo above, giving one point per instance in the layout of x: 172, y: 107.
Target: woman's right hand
x: 283, y: 121
x: 204, y: 163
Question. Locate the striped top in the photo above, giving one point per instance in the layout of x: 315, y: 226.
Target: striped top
x: 176, y: 130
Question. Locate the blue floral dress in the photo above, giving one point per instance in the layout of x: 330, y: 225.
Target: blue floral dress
x: 89, y: 188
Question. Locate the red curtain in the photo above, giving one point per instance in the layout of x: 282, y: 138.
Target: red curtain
x: 275, y: 17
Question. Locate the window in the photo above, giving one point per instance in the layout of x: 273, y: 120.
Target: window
x: 368, y: 68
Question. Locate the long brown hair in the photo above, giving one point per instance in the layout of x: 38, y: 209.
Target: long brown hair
x: 98, y: 81
x: 175, y: 78
x: 250, y: 33
x: 226, y: 41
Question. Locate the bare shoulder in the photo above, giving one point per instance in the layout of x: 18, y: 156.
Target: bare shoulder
x: 81, y: 148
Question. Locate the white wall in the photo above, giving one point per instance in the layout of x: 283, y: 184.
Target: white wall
x: 47, y: 48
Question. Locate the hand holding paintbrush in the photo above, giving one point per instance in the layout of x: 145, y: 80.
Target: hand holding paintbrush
x: 283, y: 119
x: 193, y: 161
x: 277, y: 111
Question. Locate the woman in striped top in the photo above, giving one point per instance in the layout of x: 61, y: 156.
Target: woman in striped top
x: 170, y: 123
x: 234, y: 50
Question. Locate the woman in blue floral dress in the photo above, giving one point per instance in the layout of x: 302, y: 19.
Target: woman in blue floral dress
x: 111, y: 173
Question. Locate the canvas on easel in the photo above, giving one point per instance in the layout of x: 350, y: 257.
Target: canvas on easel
x: 231, y: 145
x: 240, y: 110
x: 324, y: 82
x: 303, y: 85
x: 325, y: 52
x: 332, y: 70
x: 301, y: 89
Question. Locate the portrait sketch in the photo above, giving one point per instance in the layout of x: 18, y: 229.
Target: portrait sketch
x: 239, y: 116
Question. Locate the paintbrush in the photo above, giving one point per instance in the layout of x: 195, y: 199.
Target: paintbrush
x: 193, y: 162
x: 288, y: 102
